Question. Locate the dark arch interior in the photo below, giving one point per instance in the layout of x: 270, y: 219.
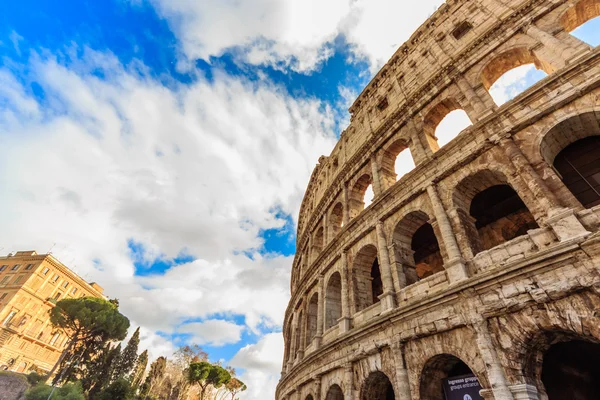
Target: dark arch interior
x: 427, y: 255
x: 377, y: 386
x: 500, y: 215
x: 571, y: 370
x: 579, y: 167
x: 366, y: 278
x: 335, y: 393
x: 376, y: 283
x: 437, y: 370
x: 309, y: 397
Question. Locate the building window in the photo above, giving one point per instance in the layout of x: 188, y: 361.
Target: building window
x: 29, y: 266
x: 58, y: 295
x: 9, y: 318
x: 2, y: 268
x: 15, y: 267
x: 65, y: 284
x: 55, y: 278
x: 3, y: 296
x: 74, y: 291
x: 19, y: 279
x: 5, y: 279
x: 45, y: 271
x: 54, y: 339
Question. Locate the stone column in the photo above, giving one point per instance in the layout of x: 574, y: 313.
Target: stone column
x: 455, y: 266
x: 348, y: 382
x: 479, y: 107
x: 317, y: 380
x: 346, y: 209
x: 494, y: 369
x: 402, y: 384
x: 345, y: 321
x: 376, y: 178
x: 320, y: 312
x: 562, y: 51
x: 387, y: 297
x: 562, y: 220
x: 539, y: 189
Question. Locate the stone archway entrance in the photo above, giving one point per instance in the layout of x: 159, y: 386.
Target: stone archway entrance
x: 571, y: 370
x: 443, y: 372
x: 377, y: 386
x: 335, y: 393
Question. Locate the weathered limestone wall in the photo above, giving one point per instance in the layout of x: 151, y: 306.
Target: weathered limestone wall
x: 491, y: 298
x: 12, y: 386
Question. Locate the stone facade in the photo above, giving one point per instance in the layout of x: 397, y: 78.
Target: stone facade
x: 30, y: 285
x: 12, y: 386
x: 485, y: 258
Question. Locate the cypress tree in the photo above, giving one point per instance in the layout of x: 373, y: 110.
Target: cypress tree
x: 140, y: 368
x: 104, y: 369
x: 126, y: 362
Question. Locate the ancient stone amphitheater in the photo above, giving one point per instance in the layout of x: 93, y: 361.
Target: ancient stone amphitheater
x: 476, y: 274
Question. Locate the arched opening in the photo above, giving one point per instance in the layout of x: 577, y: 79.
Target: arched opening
x: 396, y: 161
x: 582, y: 20
x: 444, y: 122
x: 426, y: 252
x: 578, y: 165
x: 309, y: 397
x: 451, y: 126
x: 377, y: 386
x: 496, y: 213
x: 358, y: 197
x: 512, y: 72
x: 416, y: 249
x: 333, y: 300
x: 317, y: 242
x: 334, y: 393
x: 297, y: 343
x: 311, y: 318
x: 574, y: 159
x: 500, y: 215
x: 367, y: 278
x: 570, y: 370
x: 369, y: 196
x: 336, y: 219
x: 447, y: 373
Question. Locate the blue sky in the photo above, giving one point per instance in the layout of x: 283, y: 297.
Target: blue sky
x: 166, y: 146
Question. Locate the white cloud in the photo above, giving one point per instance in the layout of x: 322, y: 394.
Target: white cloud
x: 261, y: 363
x: 514, y: 82
x: 451, y: 126
x: 295, y: 33
x: 201, y: 168
x: 214, y: 332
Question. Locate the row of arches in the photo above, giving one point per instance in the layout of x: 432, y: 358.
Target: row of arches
x: 563, y: 370
x: 503, y: 77
x: 490, y: 208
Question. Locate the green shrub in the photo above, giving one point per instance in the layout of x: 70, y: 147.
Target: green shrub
x: 70, y: 391
x: 118, y: 390
x: 34, y: 378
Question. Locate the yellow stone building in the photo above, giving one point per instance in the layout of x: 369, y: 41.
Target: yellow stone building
x: 30, y: 285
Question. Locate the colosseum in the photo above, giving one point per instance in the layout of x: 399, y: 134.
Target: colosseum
x: 475, y: 275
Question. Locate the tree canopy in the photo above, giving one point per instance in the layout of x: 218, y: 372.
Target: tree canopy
x: 89, y: 317
x: 89, y: 323
x: 206, y: 374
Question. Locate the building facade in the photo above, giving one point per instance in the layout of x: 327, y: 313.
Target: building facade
x: 478, y: 272
x: 30, y: 285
